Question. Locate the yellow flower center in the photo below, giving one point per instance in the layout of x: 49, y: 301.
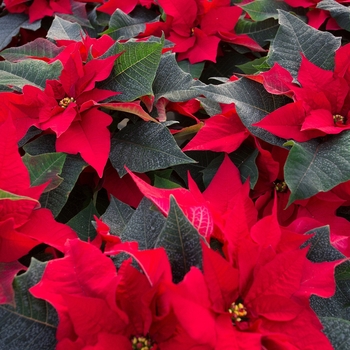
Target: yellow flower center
x: 141, y: 343
x: 338, y: 119
x: 280, y: 186
x: 238, y: 312
x: 66, y: 101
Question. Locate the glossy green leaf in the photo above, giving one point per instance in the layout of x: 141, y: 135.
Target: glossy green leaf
x: 65, y: 30
x: 31, y: 323
x: 134, y: 70
x: 39, y: 47
x: 28, y: 72
x: 11, y: 24
x: 82, y: 223
x: 294, y: 38
x: 117, y: 216
x: 338, y: 11
x: 259, y: 10
x: 145, y: 146
x: 252, y: 101
x: 144, y: 226
x: 45, y: 167
x: 181, y: 242
x: 317, y: 166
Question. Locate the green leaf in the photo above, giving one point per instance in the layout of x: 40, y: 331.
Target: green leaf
x: 57, y: 198
x: 252, y: 101
x: 195, y: 69
x: 134, y: 70
x: 73, y: 166
x: 39, y: 47
x: 255, y: 66
x: 28, y: 72
x: 15, y: 197
x: 32, y: 323
x: 181, y: 242
x: 321, y: 248
x: 122, y: 26
x: 262, y: 32
x: 64, y: 30
x: 317, y: 166
x: 162, y: 182
x: 144, y: 226
x: 45, y: 167
x: 338, y: 11
x: 172, y: 82
x: 294, y: 37
x: 259, y: 10
x: 117, y: 216
x: 82, y: 223
x: 145, y: 146
x: 11, y: 24
x: 338, y: 332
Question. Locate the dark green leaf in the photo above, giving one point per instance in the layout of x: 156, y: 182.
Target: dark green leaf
x: 45, y: 167
x: 117, y: 216
x: 40, y: 47
x: 294, y: 37
x: 195, y: 69
x: 32, y: 323
x: 11, y: 24
x: 253, y: 67
x: 317, y: 166
x: 134, y: 70
x: 122, y: 26
x: 64, y: 30
x: 338, y: 332
x: 262, y: 32
x: 162, y: 182
x: 57, y: 198
x: 259, y: 10
x: 82, y: 223
x: 73, y: 166
x: 252, y: 101
x: 28, y: 72
x: 338, y: 11
x: 145, y: 146
x: 172, y: 82
x: 181, y: 242
x: 144, y: 226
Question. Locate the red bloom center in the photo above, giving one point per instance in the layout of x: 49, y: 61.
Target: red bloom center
x: 66, y: 101
x: 142, y: 343
x: 238, y: 312
x: 338, y: 119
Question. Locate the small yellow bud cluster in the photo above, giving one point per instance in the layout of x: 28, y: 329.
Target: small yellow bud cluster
x: 66, y: 101
x: 337, y: 118
x: 280, y: 186
x: 141, y: 343
x: 237, y: 311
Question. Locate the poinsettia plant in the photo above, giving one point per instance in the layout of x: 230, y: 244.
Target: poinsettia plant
x: 174, y: 174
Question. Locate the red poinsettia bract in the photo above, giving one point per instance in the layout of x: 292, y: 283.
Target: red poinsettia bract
x: 23, y: 225
x: 69, y: 107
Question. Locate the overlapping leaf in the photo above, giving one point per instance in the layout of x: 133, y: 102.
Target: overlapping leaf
x: 30, y: 319
x: 181, y: 242
x: 65, y: 30
x: 338, y: 11
x: 294, y: 37
x: 145, y: 146
x: 316, y: 166
x: 135, y: 69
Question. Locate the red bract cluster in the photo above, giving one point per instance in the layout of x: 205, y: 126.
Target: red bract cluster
x: 174, y: 175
